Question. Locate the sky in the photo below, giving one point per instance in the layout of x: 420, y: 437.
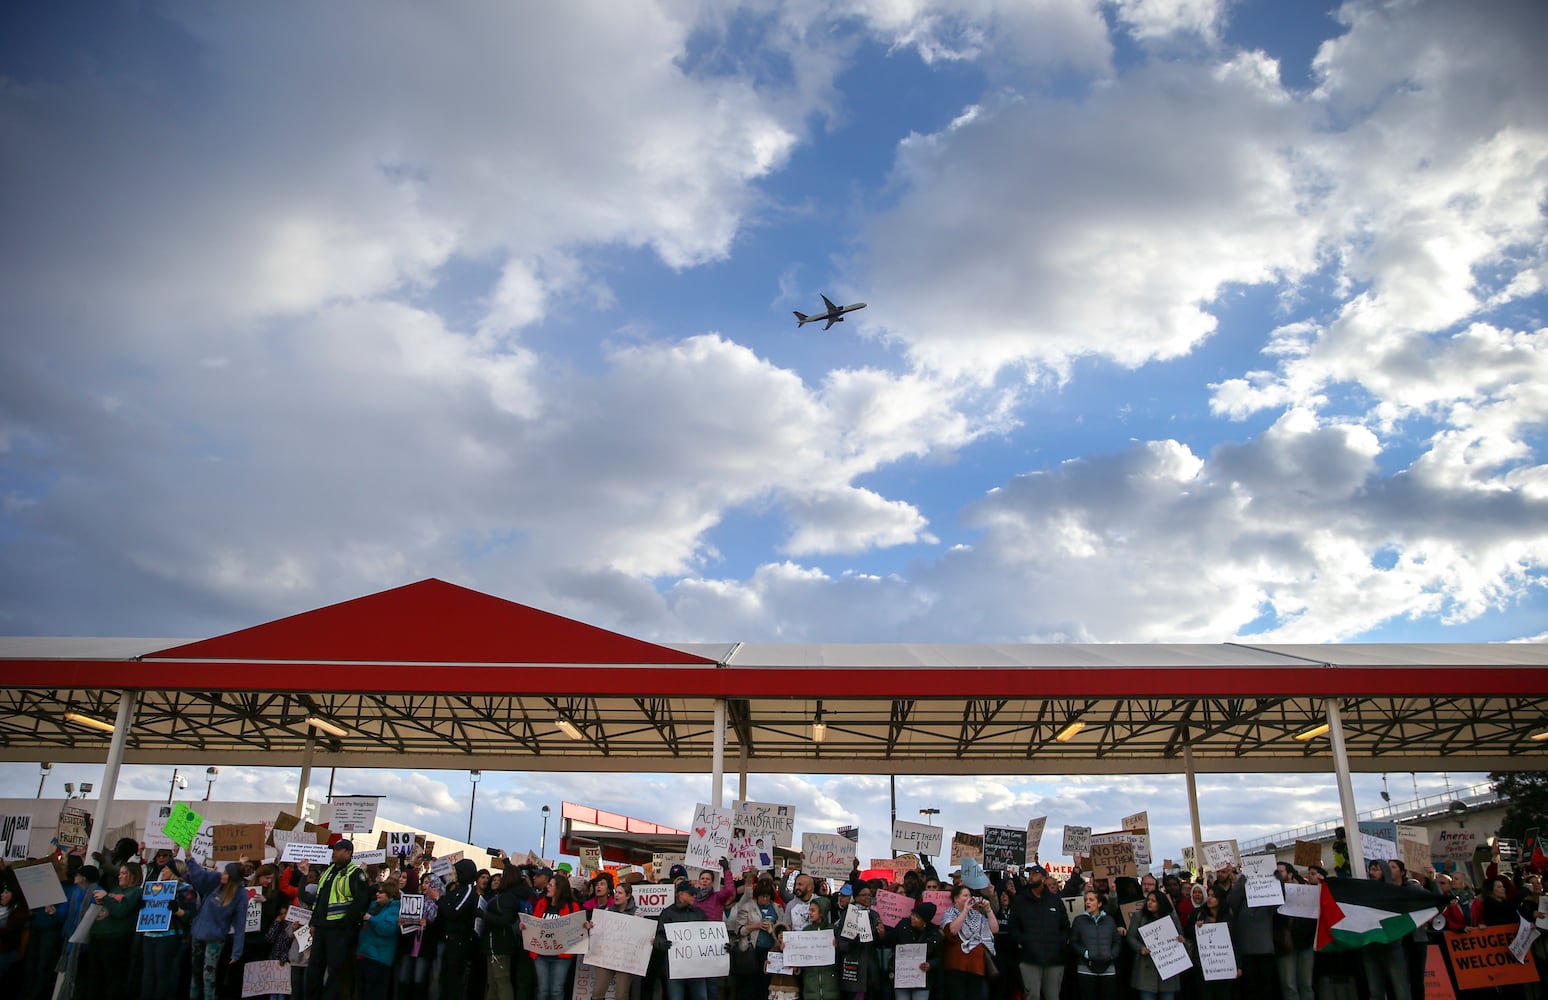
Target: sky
x: 1188, y: 321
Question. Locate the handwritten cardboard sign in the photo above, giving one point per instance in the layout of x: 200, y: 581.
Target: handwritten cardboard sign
x: 1077, y: 841
x: 261, y: 979
x: 918, y: 838
x: 698, y: 950
x: 966, y: 845
x: 564, y: 935
x: 74, y: 827
x: 910, y: 965
x: 709, y: 836
x: 1035, y: 835
x: 235, y: 841
x: 620, y: 942
x: 770, y: 821
x: 804, y: 949
x: 827, y: 855
x: 1216, y: 956
x: 1307, y: 853
x: 1112, y: 860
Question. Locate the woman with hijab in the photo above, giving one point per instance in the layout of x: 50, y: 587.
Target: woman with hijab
x: 1146, y: 979
x: 223, y: 912
x: 969, y: 926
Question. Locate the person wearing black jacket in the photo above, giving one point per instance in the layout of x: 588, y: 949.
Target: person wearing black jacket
x: 1041, y: 926
x: 920, y: 928
x: 456, y: 914
x: 502, y: 921
x: 681, y: 911
x: 342, y: 899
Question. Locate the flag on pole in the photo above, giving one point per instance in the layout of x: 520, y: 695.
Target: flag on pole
x: 1358, y: 912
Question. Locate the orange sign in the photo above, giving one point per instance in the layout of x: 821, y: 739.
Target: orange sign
x: 1481, y: 958
x: 1437, y: 981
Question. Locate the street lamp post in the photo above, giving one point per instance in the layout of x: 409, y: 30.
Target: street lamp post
x: 473, y: 776
x: 178, y: 781
x: 210, y: 774
x: 44, y: 768
x: 543, y: 843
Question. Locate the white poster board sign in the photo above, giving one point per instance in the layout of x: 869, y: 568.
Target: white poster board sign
x: 857, y: 924
x: 317, y: 854
x: 261, y: 979
x: 709, y: 837
x: 1219, y: 854
x: 1302, y: 901
x: 156, y: 815
x: 908, y: 959
x: 15, y: 836
x: 827, y: 855
x: 1521, y: 945
x: 354, y: 813
x: 1374, y: 847
x: 620, y: 942
x: 1169, y: 954
x: 1259, y: 864
x: 804, y: 949
x: 564, y: 935
x: 39, y: 885
x: 1216, y: 956
x: 917, y: 838
x: 697, y: 950
x: 1265, y: 890
x: 1035, y: 836
x: 650, y: 900
x: 1077, y: 841
x: 772, y: 822
x: 377, y: 857
x: 400, y: 843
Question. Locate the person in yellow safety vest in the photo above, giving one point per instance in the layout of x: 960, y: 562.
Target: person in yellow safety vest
x: 342, y: 898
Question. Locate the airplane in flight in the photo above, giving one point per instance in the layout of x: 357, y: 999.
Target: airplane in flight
x: 835, y: 314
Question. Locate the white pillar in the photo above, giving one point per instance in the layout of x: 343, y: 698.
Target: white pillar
x: 108, y: 789
x: 306, y: 772
x: 719, y: 764
x: 1193, y: 803
x: 1346, y: 800
x: 741, y: 788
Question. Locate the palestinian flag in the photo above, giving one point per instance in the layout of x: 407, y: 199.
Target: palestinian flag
x: 1358, y: 912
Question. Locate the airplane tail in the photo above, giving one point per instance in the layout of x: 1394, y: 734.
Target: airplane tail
x: 801, y: 318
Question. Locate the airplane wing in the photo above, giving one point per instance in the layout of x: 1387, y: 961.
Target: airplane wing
x: 829, y: 303
x: 832, y: 320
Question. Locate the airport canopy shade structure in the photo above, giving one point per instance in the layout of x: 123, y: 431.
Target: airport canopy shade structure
x: 432, y: 675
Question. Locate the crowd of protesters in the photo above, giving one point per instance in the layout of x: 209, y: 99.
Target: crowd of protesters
x: 1009, y: 936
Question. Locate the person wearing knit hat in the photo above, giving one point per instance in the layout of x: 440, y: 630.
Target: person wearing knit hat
x: 919, y: 928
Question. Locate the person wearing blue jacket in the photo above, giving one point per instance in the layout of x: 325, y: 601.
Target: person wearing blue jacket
x: 378, y: 947
x: 224, y: 911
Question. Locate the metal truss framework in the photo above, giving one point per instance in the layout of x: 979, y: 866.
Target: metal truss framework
x: 915, y: 735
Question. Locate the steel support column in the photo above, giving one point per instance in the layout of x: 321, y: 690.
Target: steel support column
x: 1193, y: 804
x: 1346, y: 800
x: 719, y: 762
x: 306, y: 772
x: 108, y: 790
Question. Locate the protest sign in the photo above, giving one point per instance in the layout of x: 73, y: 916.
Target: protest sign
x: 827, y: 855
x: 590, y: 858
x: 1302, y: 901
x: 233, y: 842
x: 1454, y: 843
x: 908, y: 960
x: 261, y: 979
x: 857, y: 924
x: 1265, y: 890
x: 1077, y: 841
x: 1169, y: 954
x: 400, y: 843
x: 363, y: 858
x: 156, y: 913
x: 441, y: 868
x: 770, y: 821
x: 1112, y: 860
x: 1004, y: 847
x: 585, y: 976
x: 743, y: 854
x: 300, y: 915
x: 1307, y: 853
x: 15, y: 836
x: 650, y: 900
x: 283, y: 838
x: 564, y: 935
x: 1481, y: 958
x: 850, y: 833
x: 411, y: 909
x: 156, y: 815
x: 893, y: 907
x: 1127, y: 910
x: 317, y: 854
x: 919, y: 838
x: 1541, y: 923
x: 1220, y: 853
x: 1377, y: 848
x: 774, y: 964
x: 941, y: 898
x: 966, y: 845
x: 74, y: 827
x: 1216, y: 956
x: 1521, y: 945
x: 1437, y: 981
x: 697, y: 950
x: 709, y: 836
x: 1035, y: 835
x: 1139, y: 821
x: 254, y: 911
x: 1073, y: 906
x: 1416, y: 856
x: 620, y: 942
x: 804, y: 949
x: 39, y: 885
x: 1259, y: 864
x: 182, y: 825
x: 354, y: 813
x: 203, y: 844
